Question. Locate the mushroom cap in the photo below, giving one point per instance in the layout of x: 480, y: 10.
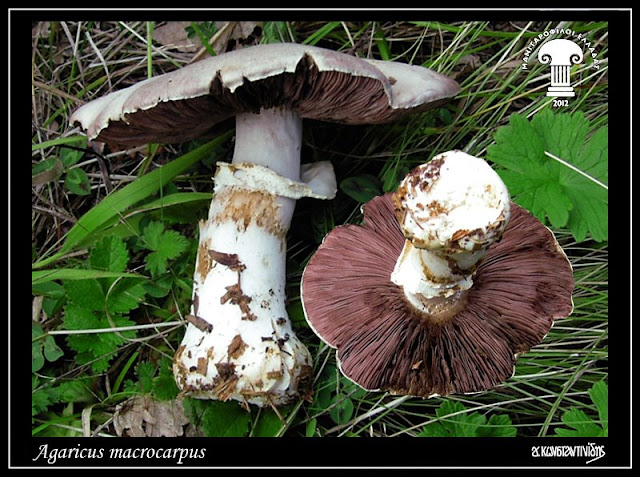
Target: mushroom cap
x: 455, y: 201
x: 315, y: 82
x: 524, y: 283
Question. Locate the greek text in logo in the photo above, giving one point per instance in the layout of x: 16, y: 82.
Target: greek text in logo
x: 561, y: 53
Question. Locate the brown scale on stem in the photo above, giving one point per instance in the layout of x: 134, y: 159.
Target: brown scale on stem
x: 234, y: 292
x: 236, y: 297
x: 200, y: 323
x: 236, y: 347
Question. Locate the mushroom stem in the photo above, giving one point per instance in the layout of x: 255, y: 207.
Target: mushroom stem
x: 239, y: 343
x: 450, y: 211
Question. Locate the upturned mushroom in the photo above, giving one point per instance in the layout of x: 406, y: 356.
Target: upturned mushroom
x: 443, y: 286
x: 239, y: 343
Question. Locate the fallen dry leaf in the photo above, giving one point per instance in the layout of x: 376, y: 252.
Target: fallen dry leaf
x: 174, y: 35
x: 227, y: 32
x: 143, y: 416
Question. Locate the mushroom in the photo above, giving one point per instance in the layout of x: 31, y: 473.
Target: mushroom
x: 239, y: 343
x: 441, y: 288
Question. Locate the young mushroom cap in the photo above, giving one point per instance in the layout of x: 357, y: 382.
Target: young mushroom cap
x: 239, y: 343
x: 384, y: 342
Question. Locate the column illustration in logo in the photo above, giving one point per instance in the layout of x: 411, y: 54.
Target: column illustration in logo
x: 561, y: 54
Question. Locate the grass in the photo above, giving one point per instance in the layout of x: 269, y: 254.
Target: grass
x: 75, y: 62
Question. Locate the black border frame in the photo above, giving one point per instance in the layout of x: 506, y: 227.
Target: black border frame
x: 327, y: 452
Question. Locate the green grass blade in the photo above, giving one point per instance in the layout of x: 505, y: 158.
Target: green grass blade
x: 203, y: 39
x: 58, y: 142
x: 150, y: 27
x: 321, y: 33
x: 123, y: 373
x: 42, y: 276
x: 172, y: 199
x: 180, y: 198
x: 383, y: 45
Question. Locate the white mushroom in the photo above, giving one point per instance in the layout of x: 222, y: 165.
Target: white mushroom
x: 239, y: 343
x: 451, y: 210
x: 434, y: 293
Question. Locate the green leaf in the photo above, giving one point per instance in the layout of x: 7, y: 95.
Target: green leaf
x: 268, y: 424
x: 274, y: 32
x: 117, y: 227
x: 499, y: 425
x: 76, y: 390
x: 310, y: 429
x: 322, y: 397
x: 42, y: 347
x: 204, y: 35
x: 445, y: 116
x: 37, y: 358
x: 151, y: 235
x: 125, y: 295
x: 580, y: 424
x: 341, y: 409
x: 54, y: 296
x: 351, y: 389
x: 109, y: 254
x: 146, y: 371
x: 453, y: 422
x: 165, y: 245
x: 51, y: 350
x: 41, y: 398
x: 117, y: 202
x: 48, y: 289
x: 46, y: 171
x: 461, y: 425
x: 70, y: 156
x: 172, y: 244
x: 218, y: 419
x: 435, y: 429
x: 87, y: 294
x: 159, y: 287
x: 361, y: 188
x: 97, y: 348
x: 319, y: 34
x: 554, y: 192
x: 77, y: 182
x: 164, y: 384
x: 70, y: 391
x: 392, y: 177
x: 129, y: 385
x: 600, y: 396
x: 325, y: 387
